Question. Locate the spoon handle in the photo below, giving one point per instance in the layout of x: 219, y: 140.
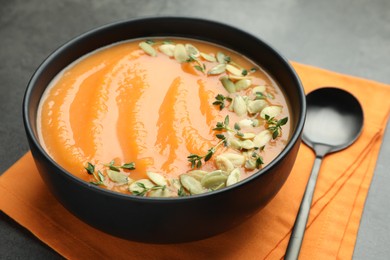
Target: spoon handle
x: 294, y: 245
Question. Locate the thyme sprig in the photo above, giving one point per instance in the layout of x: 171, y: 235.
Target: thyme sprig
x: 220, y: 101
x: 146, y: 189
x: 275, y: 126
x: 224, y: 126
x: 99, y: 176
x: 111, y: 165
x: 199, y: 65
x: 196, y: 160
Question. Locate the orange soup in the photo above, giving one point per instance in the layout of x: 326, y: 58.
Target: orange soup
x: 163, y: 117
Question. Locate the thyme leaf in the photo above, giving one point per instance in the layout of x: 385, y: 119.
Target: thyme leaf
x: 90, y: 168
x: 258, y: 159
x: 275, y: 126
x: 99, y: 179
x: 196, y: 160
x: 260, y: 95
x: 146, y: 189
x: 220, y: 101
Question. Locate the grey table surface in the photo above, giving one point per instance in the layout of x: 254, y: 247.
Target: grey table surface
x: 346, y: 36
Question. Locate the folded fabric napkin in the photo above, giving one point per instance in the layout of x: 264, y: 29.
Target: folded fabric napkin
x: 334, y: 218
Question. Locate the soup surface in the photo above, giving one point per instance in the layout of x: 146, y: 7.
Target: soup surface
x: 163, y: 117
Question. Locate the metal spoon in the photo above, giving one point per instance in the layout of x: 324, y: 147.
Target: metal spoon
x: 334, y: 121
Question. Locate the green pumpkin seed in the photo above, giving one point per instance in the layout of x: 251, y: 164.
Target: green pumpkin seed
x: 239, y: 106
x: 161, y: 193
x: 234, y: 177
x: 180, y: 53
x: 221, y: 57
x: 235, y: 77
x: 236, y: 159
x: 235, y: 143
x: 191, y: 184
x: 262, y: 138
x: 208, y: 57
x: 234, y: 70
x: 118, y: 177
x: 214, y: 180
x: 255, y: 106
x: 247, y: 144
x: 228, y: 84
x: 260, y: 89
x: 147, y: 48
x: 218, y: 69
x: 224, y: 164
x: 197, y: 174
x: 245, y: 123
x: 248, y: 136
x: 157, y: 178
x: 271, y: 111
x: 243, y: 84
x: 192, y: 50
x: 167, y: 49
x: 250, y: 164
x: 255, y: 123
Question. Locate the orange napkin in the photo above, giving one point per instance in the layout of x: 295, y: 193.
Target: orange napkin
x: 334, y: 218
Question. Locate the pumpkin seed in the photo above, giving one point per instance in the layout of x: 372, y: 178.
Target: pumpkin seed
x: 250, y: 164
x: 118, y: 177
x: 218, y: 69
x: 134, y: 187
x: 235, y: 77
x: 260, y: 89
x: 234, y: 177
x: 191, y: 184
x: 197, y: 174
x: 157, y: 178
x: 175, y: 183
x: 245, y: 123
x: 147, y: 48
x: 236, y: 159
x: 239, y: 106
x: 192, y: 50
x: 221, y: 57
x: 224, y: 164
x: 228, y: 84
x: 180, y: 53
x: 255, y: 106
x: 233, y: 70
x: 243, y: 84
x: 214, y: 180
x: 161, y: 193
x: 235, y: 143
x: 262, y: 138
x: 167, y: 49
x: 247, y: 144
x: 248, y: 136
x: 208, y: 57
x: 255, y: 122
x: 271, y: 111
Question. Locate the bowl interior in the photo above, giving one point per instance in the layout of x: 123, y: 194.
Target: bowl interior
x: 230, y: 37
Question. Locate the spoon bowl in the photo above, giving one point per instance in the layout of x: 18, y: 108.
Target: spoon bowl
x: 334, y: 120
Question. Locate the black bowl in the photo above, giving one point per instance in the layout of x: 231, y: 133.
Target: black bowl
x: 166, y: 220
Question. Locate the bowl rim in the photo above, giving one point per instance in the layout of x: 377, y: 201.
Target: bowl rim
x: 295, y: 136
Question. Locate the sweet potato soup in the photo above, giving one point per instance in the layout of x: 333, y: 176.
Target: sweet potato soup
x: 163, y: 117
